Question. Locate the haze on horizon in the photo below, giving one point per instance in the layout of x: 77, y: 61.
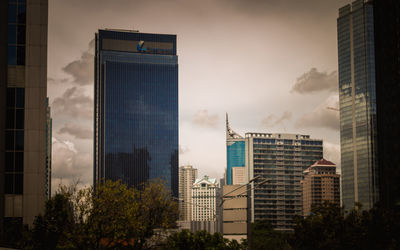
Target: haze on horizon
x: 272, y: 65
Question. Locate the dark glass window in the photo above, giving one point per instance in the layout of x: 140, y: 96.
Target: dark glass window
x: 12, y: 34
x: 19, y: 161
x: 12, y: 55
x: 9, y: 140
x: 22, y: 13
x: 21, y: 34
x: 10, y: 97
x: 19, y: 124
x: 9, y: 183
x: 10, y: 118
x: 9, y: 162
x: 20, y: 103
x: 12, y: 13
x: 19, y: 140
x: 21, y: 55
x: 19, y: 183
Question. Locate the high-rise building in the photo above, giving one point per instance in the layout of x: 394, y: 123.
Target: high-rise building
x: 49, y: 134
x: 204, y: 199
x: 23, y: 87
x: 387, y: 75
x: 187, y: 176
x: 235, y: 156
x: 320, y: 184
x: 279, y: 161
x: 357, y: 95
x: 136, y: 108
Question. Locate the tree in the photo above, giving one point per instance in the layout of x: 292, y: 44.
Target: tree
x: 265, y: 237
x: 201, y: 240
x: 110, y: 216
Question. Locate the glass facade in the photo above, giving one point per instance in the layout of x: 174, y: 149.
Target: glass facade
x: 235, y: 150
x: 136, y: 108
x: 16, y: 32
x: 357, y: 104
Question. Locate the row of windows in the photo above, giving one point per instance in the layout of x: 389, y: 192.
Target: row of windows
x: 16, y: 36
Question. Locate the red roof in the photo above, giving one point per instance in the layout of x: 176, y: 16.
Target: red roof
x: 324, y: 162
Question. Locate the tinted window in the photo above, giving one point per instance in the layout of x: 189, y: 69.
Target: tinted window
x: 19, y: 161
x: 9, y: 183
x: 12, y: 34
x: 19, y: 140
x: 19, y: 119
x: 21, y: 55
x: 21, y: 34
x: 10, y: 97
x: 20, y: 98
x: 10, y: 119
x: 12, y: 55
x: 9, y: 162
x: 12, y: 13
x: 9, y: 140
x: 21, y: 13
x: 19, y: 183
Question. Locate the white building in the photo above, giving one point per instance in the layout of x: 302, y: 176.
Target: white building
x: 204, y: 199
x: 187, y: 176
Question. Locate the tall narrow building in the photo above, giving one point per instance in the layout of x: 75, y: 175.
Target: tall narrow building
x: 204, y: 199
x: 358, y: 107
x: 23, y: 87
x: 235, y: 157
x: 187, y: 176
x: 136, y: 108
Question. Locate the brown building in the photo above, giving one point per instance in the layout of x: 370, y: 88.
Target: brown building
x: 320, y: 184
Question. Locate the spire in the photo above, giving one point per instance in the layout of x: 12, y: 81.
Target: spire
x: 230, y: 134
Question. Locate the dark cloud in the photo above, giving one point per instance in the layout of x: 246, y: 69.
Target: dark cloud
x: 273, y: 120
x: 74, y: 103
x: 77, y: 131
x: 315, y: 81
x: 69, y: 165
x: 82, y: 69
x: 322, y: 117
x: 203, y: 119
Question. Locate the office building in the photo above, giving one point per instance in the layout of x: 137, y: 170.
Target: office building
x: 204, y: 199
x: 235, y: 156
x: 279, y: 160
x: 236, y: 215
x: 49, y: 134
x: 358, y: 109
x: 387, y: 77
x: 136, y: 108
x: 23, y: 87
x: 187, y: 176
x: 320, y: 184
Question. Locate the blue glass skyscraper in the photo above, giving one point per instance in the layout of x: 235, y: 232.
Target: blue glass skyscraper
x: 136, y: 108
x: 235, y: 152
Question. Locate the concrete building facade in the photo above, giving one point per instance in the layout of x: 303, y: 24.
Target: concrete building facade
x: 279, y: 160
x: 204, y: 199
x: 187, y: 176
x: 23, y: 91
x: 321, y: 184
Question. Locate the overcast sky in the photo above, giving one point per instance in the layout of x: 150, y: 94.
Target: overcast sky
x: 272, y: 65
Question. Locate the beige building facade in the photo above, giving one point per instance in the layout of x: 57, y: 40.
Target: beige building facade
x: 23, y: 91
x: 187, y: 176
x: 235, y: 212
x: 321, y: 184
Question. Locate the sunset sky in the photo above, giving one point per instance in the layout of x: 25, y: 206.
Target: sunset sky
x: 272, y: 65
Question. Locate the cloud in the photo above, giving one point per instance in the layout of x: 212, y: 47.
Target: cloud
x: 82, y: 69
x: 183, y: 149
x: 53, y: 81
x: 321, y: 116
x: 203, y: 119
x: 77, y: 131
x: 273, y: 120
x: 332, y: 153
x: 74, y: 103
x: 314, y: 81
x: 69, y: 165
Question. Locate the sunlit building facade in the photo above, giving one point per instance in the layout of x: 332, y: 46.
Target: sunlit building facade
x: 187, y: 176
x: 204, y: 199
x: 357, y: 95
x: 136, y: 108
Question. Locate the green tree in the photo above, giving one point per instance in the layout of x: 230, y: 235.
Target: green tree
x: 265, y: 237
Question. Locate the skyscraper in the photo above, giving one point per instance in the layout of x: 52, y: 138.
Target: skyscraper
x: 358, y: 107
x: 235, y: 156
x: 23, y: 86
x: 187, y: 176
x: 136, y: 108
x: 387, y: 73
x: 279, y: 161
